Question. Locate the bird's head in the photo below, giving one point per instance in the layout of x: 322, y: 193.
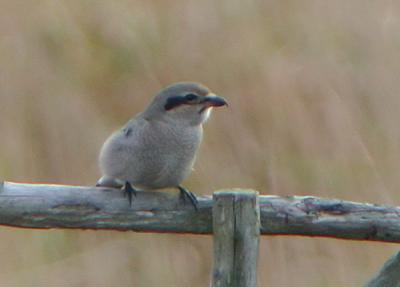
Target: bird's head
x: 185, y: 102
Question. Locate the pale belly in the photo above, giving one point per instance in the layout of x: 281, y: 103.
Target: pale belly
x: 154, y: 163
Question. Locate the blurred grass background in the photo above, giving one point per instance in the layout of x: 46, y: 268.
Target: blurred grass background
x: 314, y: 109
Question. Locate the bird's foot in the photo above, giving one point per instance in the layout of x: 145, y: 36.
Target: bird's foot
x: 186, y: 194
x: 129, y: 191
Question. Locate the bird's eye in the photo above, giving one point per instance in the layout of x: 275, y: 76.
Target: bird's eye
x: 190, y: 97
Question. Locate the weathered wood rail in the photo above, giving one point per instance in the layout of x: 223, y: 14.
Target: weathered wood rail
x: 240, y: 215
x: 59, y: 206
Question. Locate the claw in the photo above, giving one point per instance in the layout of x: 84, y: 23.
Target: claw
x: 129, y: 190
x: 184, y: 193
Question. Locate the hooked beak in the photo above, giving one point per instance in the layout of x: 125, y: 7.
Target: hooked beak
x: 214, y: 101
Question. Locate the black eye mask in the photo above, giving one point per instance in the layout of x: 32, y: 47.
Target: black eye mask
x: 176, y: 101
x: 191, y: 97
x: 173, y: 102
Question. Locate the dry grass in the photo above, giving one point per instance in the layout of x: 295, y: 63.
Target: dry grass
x: 314, y: 109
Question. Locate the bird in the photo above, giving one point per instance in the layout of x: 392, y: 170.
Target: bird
x: 157, y: 148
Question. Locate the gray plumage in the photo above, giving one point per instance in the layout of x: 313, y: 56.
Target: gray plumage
x: 157, y: 148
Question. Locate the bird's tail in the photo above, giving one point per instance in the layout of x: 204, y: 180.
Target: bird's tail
x: 107, y: 181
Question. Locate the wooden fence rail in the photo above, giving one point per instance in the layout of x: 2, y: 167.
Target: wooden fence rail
x: 59, y: 206
x: 237, y: 214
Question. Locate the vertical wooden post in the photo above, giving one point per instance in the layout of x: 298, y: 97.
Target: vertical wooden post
x: 389, y: 275
x: 236, y: 227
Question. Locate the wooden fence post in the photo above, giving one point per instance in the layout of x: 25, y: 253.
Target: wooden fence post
x: 236, y: 228
x: 389, y: 275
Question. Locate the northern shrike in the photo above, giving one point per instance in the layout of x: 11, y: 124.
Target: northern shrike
x: 157, y: 148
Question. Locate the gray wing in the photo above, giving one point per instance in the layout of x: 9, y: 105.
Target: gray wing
x: 120, y: 150
x: 150, y: 154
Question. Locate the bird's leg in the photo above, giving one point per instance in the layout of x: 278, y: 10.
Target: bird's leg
x: 129, y: 190
x: 184, y: 193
